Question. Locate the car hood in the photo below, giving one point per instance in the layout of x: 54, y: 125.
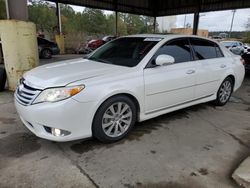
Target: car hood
x: 65, y: 72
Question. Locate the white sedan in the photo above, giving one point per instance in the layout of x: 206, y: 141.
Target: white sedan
x: 130, y: 79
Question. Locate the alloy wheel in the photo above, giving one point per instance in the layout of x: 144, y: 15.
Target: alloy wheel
x: 225, y: 91
x: 117, y: 119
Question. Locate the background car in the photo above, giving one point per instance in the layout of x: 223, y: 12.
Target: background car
x: 234, y: 46
x: 247, y: 49
x: 47, y: 48
x: 94, y: 44
x: 108, y: 38
x: 246, y: 57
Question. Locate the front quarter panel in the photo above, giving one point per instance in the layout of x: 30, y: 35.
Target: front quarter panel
x: 99, y: 90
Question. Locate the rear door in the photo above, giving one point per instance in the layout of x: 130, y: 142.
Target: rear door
x: 170, y: 85
x: 211, y: 66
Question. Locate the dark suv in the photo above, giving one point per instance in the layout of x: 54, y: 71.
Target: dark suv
x: 47, y: 48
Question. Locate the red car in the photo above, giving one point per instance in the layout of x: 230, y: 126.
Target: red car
x: 95, y: 43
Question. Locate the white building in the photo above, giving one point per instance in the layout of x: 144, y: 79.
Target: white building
x: 166, y: 23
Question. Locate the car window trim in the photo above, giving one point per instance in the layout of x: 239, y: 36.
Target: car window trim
x: 215, y: 45
x: 150, y: 65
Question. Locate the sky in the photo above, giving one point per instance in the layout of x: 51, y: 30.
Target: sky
x: 213, y: 21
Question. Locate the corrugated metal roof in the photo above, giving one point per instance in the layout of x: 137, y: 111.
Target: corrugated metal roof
x: 160, y: 7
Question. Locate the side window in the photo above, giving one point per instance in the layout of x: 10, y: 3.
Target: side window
x: 179, y: 49
x: 205, y: 49
x: 41, y: 41
x: 218, y: 51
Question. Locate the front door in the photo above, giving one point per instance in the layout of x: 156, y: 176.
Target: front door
x: 170, y: 85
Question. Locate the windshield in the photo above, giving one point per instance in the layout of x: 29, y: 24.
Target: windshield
x: 125, y: 51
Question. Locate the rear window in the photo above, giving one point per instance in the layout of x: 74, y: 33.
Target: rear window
x: 205, y: 49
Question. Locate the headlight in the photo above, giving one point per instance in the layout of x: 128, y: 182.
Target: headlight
x: 57, y: 94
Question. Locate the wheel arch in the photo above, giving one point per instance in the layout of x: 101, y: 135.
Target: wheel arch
x: 127, y: 94
x: 232, y: 77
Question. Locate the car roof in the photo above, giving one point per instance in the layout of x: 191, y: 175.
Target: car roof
x: 170, y: 36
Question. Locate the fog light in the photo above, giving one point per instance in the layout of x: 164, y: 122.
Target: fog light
x: 59, y: 132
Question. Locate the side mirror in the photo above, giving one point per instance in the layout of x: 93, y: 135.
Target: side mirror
x: 164, y: 60
x: 234, y: 46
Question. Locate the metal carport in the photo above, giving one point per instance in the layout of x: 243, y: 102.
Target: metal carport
x: 17, y: 10
x: 157, y: 8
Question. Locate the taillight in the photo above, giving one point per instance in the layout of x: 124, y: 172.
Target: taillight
x: 242, y: 61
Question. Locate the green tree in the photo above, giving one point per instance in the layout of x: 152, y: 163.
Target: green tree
x: 134, y: 23
x: 71, y: 21
x: 247, y: 39
x: 43, y: 15
x: 121, y: 28
x: 94, y: 21
x: 2, y: 10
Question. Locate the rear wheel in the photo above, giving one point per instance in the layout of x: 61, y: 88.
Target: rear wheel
x: 2, y: 78
x: 224, y: 92
x: 46, y: 54
x: 114, y: 119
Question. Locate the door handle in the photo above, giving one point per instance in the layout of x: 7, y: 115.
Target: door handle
x: 190, y: 72
x: 222, y: 66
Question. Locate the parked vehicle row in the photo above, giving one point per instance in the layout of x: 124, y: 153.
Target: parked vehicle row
x: 239, y: 48
x: 234, y: 46
x: 129, y: 79
x: 94, y: 44
x: 47, y: 48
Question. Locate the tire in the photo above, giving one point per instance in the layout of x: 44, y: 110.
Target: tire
x: 2, y: 78
x: 46, y: 53
x: 117, y: 124
x: 225, y: 91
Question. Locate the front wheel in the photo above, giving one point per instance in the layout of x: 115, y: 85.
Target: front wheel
x: 224, y: 92
x: 114, y: 119
x: 46, y: 54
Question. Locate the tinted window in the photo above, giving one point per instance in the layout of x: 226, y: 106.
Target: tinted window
x: 205, y: 49
x: 179, y: 49
x: 218, y: 51
x: 42, y: 41
x: 124, y: 51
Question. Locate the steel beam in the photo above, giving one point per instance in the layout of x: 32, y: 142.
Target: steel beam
x: 116, y: 23
x: 18, y: 10
x: 154, y: 24
x: 58, y: 14
x: 196, y: 23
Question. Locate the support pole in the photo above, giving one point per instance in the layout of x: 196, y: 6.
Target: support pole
x: 196, y: 23
x: 232, y: 22
x: 59, y: 36
x: 18, y: 41
x: 116, y: 23
x: 185, y: 18
x: 7, y: 9
x: 59, y: 21
x: 18, y: 10
x: 154, y: 24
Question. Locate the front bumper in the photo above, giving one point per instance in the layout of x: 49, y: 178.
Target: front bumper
x: 69, y: 114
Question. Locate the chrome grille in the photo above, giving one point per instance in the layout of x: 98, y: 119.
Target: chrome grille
x: 25, y: 94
